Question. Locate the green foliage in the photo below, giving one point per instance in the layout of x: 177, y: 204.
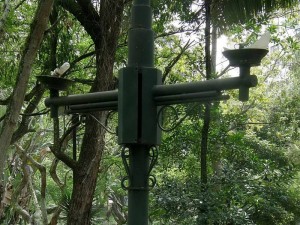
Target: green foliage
x: 253, y: 152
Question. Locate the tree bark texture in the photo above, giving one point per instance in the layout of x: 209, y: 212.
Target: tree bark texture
x: 32, y: 46
x: 3, y: 19
x: 205, y: 128
x: 207, y: 112
x: 104, y: 28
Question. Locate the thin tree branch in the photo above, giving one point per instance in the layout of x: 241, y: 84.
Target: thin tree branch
x: 225, y: 70
x: 42, y: 170
x: 58, y: 143
x: 54, y: 175
x: 172, y: 63
x: 19, y: 4
x: 24, y: 213
x: 24, y: 125
x: 86, y: 55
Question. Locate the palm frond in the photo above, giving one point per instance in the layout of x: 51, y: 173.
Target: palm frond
x: 229, y: 12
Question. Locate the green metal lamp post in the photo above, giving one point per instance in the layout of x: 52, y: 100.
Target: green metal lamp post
x: 138, y: 100
x: 138, y: 130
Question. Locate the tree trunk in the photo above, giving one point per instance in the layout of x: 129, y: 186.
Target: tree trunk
x: 32, y: 46
x: 86, y: 172
x: 206, y: 119
x: 216, y: 161
x: 206, y: 123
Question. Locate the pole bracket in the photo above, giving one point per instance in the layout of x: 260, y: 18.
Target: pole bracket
x: 125, y: 182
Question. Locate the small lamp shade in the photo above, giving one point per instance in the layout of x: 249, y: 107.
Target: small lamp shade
x: 56, y: 83
x: 245, y: 56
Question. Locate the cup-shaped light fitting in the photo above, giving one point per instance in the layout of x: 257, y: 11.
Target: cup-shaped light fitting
x: 245, y: 56
x: 56, y: 83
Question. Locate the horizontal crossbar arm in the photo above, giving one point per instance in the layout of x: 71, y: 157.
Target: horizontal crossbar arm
x: 169, y: 99
x: 181, y: 99
x: 92, y: 107
x: 205, y: 86
x: 96, y: 97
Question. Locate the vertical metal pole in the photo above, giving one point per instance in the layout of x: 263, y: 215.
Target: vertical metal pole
x: 138, y: 192
x: 141, y: 36
x: 140, y: 56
